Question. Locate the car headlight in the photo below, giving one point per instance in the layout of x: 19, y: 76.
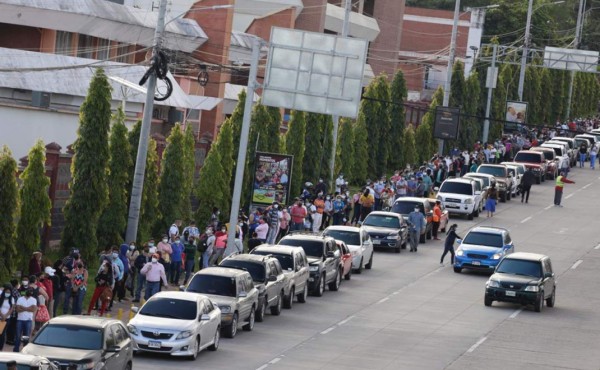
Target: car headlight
x: 493, y: 284
x: 184, y: 334
x: 468, y: 201
x: 532, y: 288
x: 460, y: 252
x: 393, y: 236
x: 313, y: 268
x: 439, y: 197
x: 90, y: 364
x: 225, y: 309
x: 497, y: 256
x: 132, y: 329
x: 502, y: 185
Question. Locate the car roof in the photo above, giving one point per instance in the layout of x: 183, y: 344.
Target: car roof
x: 278, y: 249
x: 559, y: 144
x: 247, y: 257
x: 515, y: 164
x: 410, y: 199
x: 343, y: 228
x: 490, y: 165
x: 184, y: 296
x: 460, y: 180
x: 383, y: 213
x: 302, y: 235
x: 80, y: 320
x: 222, y: 271
x: 21, y: 358
x: 478, y: 174
x: 488, y: 230
x: 562, y: 138
x: 526, y: 256
x: 541, y: 149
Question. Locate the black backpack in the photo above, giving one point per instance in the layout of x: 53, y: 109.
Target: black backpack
x: 202, y: 245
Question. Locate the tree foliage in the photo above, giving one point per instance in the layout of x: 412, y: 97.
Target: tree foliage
x: 398, y: 94
x: 409, y: 150
x: 89, y: 191
x: 376, y: 114
x: 326, y: 128
x: 361, y: 150
x: 470, y: 127
x: 294, y: 145
x: 345, y: 149
x: 210, y: 187
x: 272, y: 130
x: 313, y: 144
x: 149, y: 211
x: 224, y: 145
x: 9, y: 201
x: 429, y: 121
x: 189, y: 159
x: 113, y: 220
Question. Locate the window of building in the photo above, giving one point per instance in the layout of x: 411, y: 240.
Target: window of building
x: 64, y: 43
x: 122, y: 54
x: 103, y: 49
x: 369, y: 7
x: 329, y: 32
x: 85, y: 47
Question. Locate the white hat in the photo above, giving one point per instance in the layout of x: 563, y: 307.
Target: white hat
x: 49, y: 271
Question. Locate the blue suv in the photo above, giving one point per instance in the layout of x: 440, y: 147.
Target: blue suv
x: 482, y: 249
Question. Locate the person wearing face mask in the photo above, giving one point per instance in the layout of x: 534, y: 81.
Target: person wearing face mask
x: 339, y: 182
x: 151, y: 246
x: 284, y: 223
x: 317, y: 217
x: 262, y: 229
x: 176, y: 260
x: 174, y: 230
x: 327, y: 212
x: 76, y: 289
x: 141, y: 260
x: 190, y: 257
x: 214, y: 218
x: 298, y: 213
x: 7, y: 306
x: 58, y: 286
x: 12, y: 325
x: 220, y: 245
x: 210, y: 246
x: 131, y: 254
x: 378, y: 188
x: 120, y: 287
x: 104, y: 280
x: 166, y: 250
x: 273, y: 217
x: 338, y: 210
x: 155, y: 273
x: 190, y: 230
x: 26, y: 308
x: 321, y: 187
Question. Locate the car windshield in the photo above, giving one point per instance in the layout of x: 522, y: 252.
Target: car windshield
x: 520, y: 267
x: 486, y: 239
x: 527, y: 157
x: 405, y: 208
x: 390, y: 222
x: 69, y: 336
x: 313, y: 248
x: 177, y: 309
x: 212, y: 284
x: 569, y: 142
x: 547, y: 154
x: 557, y: 151
x: 494, y: 171
x: 580, y: 141
x: 285, y: 260
x: 456, y: 188
x: 348, y: 237
x: 256, y: 270
x: 512, y: 171
x: 486, y: 180
x: 19, y: 367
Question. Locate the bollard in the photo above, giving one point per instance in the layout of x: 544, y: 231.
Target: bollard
x: 108, y: 316
x: 142, y: 302
x: 131, y: 313
x: 120, y: 314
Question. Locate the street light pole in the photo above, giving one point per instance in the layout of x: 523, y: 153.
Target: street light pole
x: 140, y: 161
x: 578, y: 29
x: 525, y: 51
x: 492, y: 81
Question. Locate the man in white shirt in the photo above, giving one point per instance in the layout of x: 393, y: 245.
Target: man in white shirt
x: 26, y: 308
x: 174, y: 230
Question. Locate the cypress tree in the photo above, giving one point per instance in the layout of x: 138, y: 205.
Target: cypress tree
x: 272, y: 130
x: 326, y: 124
x: 171, y: 196
x: 377, y: 119
x: 89, y: 191
x: 224, y: 145
x: 345, y: 149
x: 470, y: 130
x: 398, y: 93
x: 423, y: 150
x: 532, y: 93
x: 557, y: 78
x: 313, y: 144
x: 294, y: 145
x: 35, y: 203
x: 429, y: 121
x: 114, y: 217
x: 209, y: 189
x: 189, y: 159
x: 9, y: 203
x: 361, y: 149
x: 149, y: 211
x: 458, y: 86
x: 258, y: 134
x: 236, y: 119
x: 410, y: 151
x: 548, y: 96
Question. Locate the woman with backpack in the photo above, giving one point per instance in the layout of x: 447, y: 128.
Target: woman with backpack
x: 104, y: 284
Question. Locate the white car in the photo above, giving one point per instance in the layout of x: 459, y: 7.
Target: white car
x: 176, y: 323
x: 516, y: 178
x: 560, y: 154
x: 359, y: 243
x: 573, y: 148
x: 460, y: 196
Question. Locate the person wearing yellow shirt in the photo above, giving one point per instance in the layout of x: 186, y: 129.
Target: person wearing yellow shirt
x: 366, y: 203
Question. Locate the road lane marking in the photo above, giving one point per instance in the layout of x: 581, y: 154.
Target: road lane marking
x: 345, y: 320
x: 526, y: 219
x: 515, y: 314
x: 474, y: 346
x: 550, y: 206
x: 586, y: 186
x: 383, y: 300
x: 576, y: 264
x: 597, y: 247
x: 328, y: 330
x: 274, y: 361
x: 263, y: 367
x: 568, y: 196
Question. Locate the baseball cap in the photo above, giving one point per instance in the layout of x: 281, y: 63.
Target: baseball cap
x: 49, y: 271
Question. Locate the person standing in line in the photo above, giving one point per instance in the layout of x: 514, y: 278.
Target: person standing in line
x: 526, y: 183
x: 593, y: 154
x: 104, y: 280
x: 78, y: 286
x: 174, y: 230
x: 141, y: 260
x: 317, y: 217
x: 490, y: 203
x: 165, y: 249
x: 26, y: 308
x: 298, y: 213
x: 155, y: 273
x: 437, y: 217
x: 132, y: 255
x: 210, y: 246
x: 190, y: 257
x: 176, y: 259
x: 451, y: 237
x: 220, y: 245
x: 273, y: 216
x: 262, y: 229
x: 284, y: 223
x: 7, y: 306
x: 417, y: 224
x: 356, y: 207
x: 558, y: 189
x: 366, y: 204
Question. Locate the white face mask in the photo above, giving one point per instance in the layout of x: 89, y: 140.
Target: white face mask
x: 132, y: 247
x: 154, y: 260
x: 24, y: 283
x: 165, y: 240
x: 7, y: 295
x: 241, y: 224
x: 276, y: 206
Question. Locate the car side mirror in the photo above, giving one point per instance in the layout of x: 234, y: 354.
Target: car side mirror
x: 113, y: 349
x: 330, y: 254
x: 549, y: 275
x: 204, y: 317
x: 182, y: 288
x: 458, y: 241
x: 135, y: 309
x: 366, y: 242
x: 243, y: 295
x: 273, y: 278
x: 477, y: 192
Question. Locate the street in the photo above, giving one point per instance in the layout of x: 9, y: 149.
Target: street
x: 410, y: 313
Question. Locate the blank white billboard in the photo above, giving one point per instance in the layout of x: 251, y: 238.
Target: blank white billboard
x: 571, y: 59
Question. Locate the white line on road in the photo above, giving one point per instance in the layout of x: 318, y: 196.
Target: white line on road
x: 550, y: 206
x: 526, y: 219
x: 383, y: 300
x: 275, y: 360
x: 586, y: 186
x: 328, y: 330
x: 576, y: 264
x: 474, y: 346
x: 345, y: 320
x: 516, y: 313
x: 568, y: 196
x: 263, y: 367
x: 597, y: 247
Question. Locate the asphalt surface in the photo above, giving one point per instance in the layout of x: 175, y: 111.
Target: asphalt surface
x: 410, y: 313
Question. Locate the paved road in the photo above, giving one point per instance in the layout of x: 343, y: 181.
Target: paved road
x: 410, y: 313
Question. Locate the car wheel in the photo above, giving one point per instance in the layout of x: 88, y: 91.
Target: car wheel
x: 457, y: 270
x: 476, y: 212
x: 302, y: 296
x: 360, y: 267
x: 320, y: 288
x: 348, y: 276
x: 289, y: 300
x: 487, y: 301
x: 470, y: 216
x: 369, y: 265
x: 503, y: 198
x: 231, y: 330
x: 216, y: 341
x: 539, y: 303
x: 508, y: 195
x: 543, y: 178
x: 276, y: 310
x: 550, y: 301
x: 196, y: 349
x: 260, y: 314
x: 335, y: 285
x: 128, y: 366
x: 250, y: 325
x: 397, y: 249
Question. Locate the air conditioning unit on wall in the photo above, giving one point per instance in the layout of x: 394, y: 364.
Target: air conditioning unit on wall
x: 40, y: 99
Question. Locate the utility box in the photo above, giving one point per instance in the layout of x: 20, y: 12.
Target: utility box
x: 40, y: 99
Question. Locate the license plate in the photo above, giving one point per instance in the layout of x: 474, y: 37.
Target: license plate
x: 376, y: 242
x: 451, y: 205
x: 476, y: 263
x: 153, y: 344
x: 511, y: 293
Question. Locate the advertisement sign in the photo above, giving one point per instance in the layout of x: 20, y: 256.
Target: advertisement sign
x: 447, y: 121
x: 516, y: 111
x: 272, y: 176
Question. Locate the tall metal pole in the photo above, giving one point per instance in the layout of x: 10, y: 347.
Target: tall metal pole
x: 525, y: 51
x: 336, y: 119
x: 451, y: 56
x: 488, y: 107
x: 140, y: 161
x: 241, y: 159
x: 578, y: 29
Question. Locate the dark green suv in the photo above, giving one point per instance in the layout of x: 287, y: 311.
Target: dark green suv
x: 524, y: 278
